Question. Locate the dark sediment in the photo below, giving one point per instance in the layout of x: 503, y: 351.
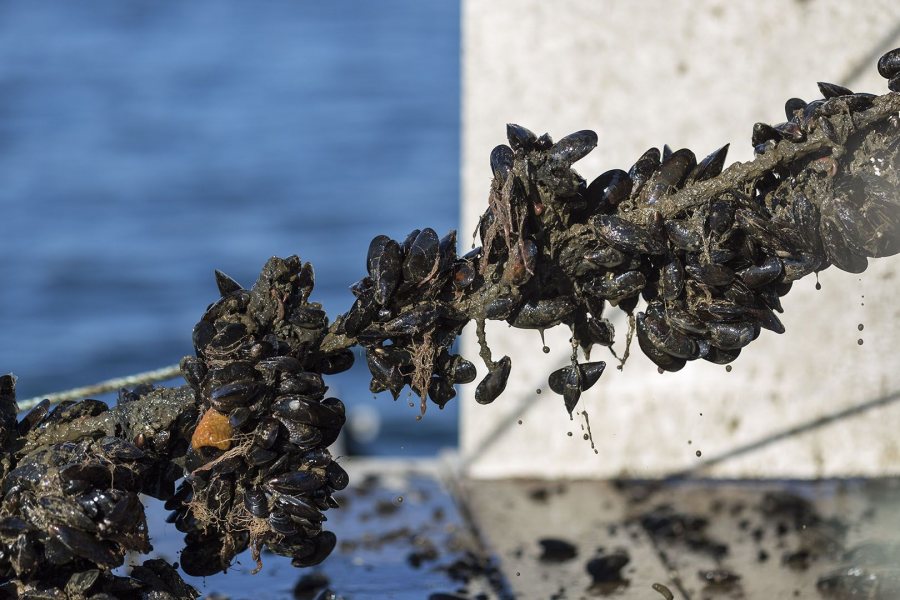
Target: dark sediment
x: 556, y: 551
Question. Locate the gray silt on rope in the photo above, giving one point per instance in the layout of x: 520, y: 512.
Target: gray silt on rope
x: 110, y: 385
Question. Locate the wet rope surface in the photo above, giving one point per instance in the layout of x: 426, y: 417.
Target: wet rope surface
x: 110, y: 385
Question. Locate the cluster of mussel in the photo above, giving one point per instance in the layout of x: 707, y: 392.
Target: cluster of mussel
x: 70, y: 510
x: 251, y: 432
x: 404, y: 316
x: 712, y: 275
x: 258, y: 469
x: 557, y: 250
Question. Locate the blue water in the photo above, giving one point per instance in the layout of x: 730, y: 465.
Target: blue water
x: 143, y: 144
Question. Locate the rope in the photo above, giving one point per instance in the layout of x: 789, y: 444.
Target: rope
x: 110, y: 385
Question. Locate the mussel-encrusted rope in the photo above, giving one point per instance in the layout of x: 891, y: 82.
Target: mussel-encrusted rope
x: 710, y: 253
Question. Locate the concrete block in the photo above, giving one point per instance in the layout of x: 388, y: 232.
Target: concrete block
x: 809, y: 403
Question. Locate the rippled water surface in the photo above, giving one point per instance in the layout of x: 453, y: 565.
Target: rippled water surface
x: 142, y: 145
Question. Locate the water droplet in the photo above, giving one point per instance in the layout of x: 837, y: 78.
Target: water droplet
x: 860, y: 327
x: 520, y: 421
x: 412, y: 404
x: 701, y: 414
x: 660, y: 370
x: 569, y: 434
x: 537, y: 391
x: 690, y: 442
x: 859, y: 341
x: 518, y: 574
x: 418, y: 417
x: 546, y: 349
x: 698, y: 453
x: 585, y: 437
x: 728, y: 368
x: 400, y: 499
x: 818, y: 286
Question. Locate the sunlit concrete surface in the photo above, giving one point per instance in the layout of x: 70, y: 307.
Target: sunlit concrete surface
x: 809, y: 403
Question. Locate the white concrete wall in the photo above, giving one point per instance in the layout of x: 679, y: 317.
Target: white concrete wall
x: 691, y: 75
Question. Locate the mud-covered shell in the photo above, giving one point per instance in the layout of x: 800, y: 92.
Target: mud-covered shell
x: 836, y: 248
x: 336, y: 476
x: 295, y: 482
x: 894, y: 84
x: 230, y: 396
x: 544, y: 313
x: 643, y: 169
x: 711, y: 166
x: 671, y: 279
x: 300, y: 507
x: 460, y: 370
x: 684, y: 234
x: 502, y: 158
x: 256, y: 502
x: 595, y: 330
x: 664, y: 361
x: 732, y: 336
x: 33, y: 417
x: 710, y: 274
x: 87, y: 546
x: 522, y: 263
x: 463, y: 275
x: 385, y: 265
x: 119, y: 449
x: 762, y: 133
x: 520, y: 138
x: 762, y: 274
x: 793, y: 108
x: 573, y: 147
x: 616, y: 288
x: 308, y: 411
x: 335, y: 362
x: 322, y: 545
x: 608, y: 190
x: 441, y: 391
x: 628, y: 237
x: 833, y: 90
x: 889, y: 64
x: 422, y: 260
x: 226, y: 284
x: 671, y: 174
x: 572, y: 380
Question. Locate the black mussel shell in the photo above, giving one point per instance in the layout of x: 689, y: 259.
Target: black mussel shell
x: 226, y: 284
x: 574, y: 146
x: 502, y: 158
x: 494, y: 382
x: 520, y: 138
